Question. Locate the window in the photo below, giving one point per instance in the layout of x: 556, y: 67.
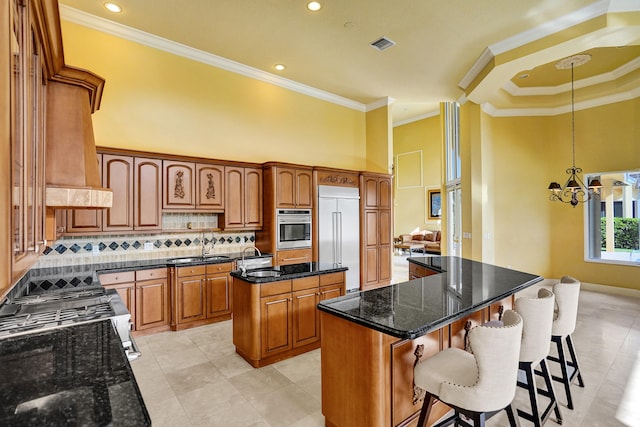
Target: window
x: 453, y: 186
x: 613, y: 221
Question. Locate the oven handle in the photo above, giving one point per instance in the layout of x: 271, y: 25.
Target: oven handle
x: 133, y: 352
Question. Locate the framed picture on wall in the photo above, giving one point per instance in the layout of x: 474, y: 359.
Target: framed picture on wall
x: 434, y: 208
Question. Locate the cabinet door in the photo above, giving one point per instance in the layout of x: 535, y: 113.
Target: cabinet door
x: 275, y: 324
x: 117, y: 174
x: 385, y: 250
x: 218, y: 295
x: 178, y: 185
x: 127, y: 292
x: 191, y: 299
x: 306, y: 321
x: 285, y: 188
x: 210, y: 187
x: 332, y: 291
x: 370, y: 192
x: 304, y: 187
x: 234, y: 197
x: 371, y: 253
x: 384, y: 193
x: 152, y: 304
x: 253, y: 198
x: 147, y: 207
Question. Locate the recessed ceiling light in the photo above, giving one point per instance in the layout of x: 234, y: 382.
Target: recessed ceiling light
x: 112, y: 7
x: 280, y: 67
x: 314, y: 6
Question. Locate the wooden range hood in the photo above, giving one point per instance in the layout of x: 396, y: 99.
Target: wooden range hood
x: 71, y: 163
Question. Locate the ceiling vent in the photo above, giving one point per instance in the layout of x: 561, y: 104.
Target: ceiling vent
x: 382, y: 44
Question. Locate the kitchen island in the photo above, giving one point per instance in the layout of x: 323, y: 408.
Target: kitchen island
x: 275, y: 315
x: 372, y: 339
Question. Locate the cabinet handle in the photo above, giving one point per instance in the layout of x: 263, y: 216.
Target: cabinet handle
x: 294, y: 259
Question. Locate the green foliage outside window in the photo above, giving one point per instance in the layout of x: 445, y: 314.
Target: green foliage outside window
x: 626, y: 233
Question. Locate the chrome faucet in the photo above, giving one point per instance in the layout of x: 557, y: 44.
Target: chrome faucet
x: 206, y: 248
x: 243, y: 269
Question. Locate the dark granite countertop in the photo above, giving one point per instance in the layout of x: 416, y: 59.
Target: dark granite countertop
x: 77, y: 375
x: 413, y: 308
x: 288, y: 272
x: 54, y: 278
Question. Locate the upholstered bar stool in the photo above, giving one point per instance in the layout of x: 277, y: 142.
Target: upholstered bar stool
x: 537, y: 317
x: 474, y: 384
x: 567, y: 293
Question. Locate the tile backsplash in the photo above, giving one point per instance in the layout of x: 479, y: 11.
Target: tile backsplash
x: 181, y: 241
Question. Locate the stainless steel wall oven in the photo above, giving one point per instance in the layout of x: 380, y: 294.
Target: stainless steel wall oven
x: 293, y: 228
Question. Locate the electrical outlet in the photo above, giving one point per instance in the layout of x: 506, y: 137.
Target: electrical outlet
x: 95, y: 250
x: 148, y: 246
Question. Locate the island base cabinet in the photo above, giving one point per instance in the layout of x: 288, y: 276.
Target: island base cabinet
x: 274, y: 321
x: 367, y: 376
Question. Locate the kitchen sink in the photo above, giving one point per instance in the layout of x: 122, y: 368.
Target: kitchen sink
x: 186, y: 260
x: 264, y: 273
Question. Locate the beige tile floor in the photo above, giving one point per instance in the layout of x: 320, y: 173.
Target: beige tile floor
x: 194, y: 377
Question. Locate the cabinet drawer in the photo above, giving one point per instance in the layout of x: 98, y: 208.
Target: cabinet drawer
x: 331, y: 278
x: 119, y: 277
x: 305, y: 283
x: 195, y: 270
x: 219, y: 268
x: 275, y: 288
x: 153, y: 273
x: 293, y: 256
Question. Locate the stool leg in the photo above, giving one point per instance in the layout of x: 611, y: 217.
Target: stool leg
x: 552, y: 394
x: 533, y: 395
x: 563, y: 369
x: 574, y: 361
x: 511, y: 415
x: 426, y: 409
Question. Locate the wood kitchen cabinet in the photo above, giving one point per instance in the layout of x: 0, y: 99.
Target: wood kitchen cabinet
x: 117, y: 174
x: 243, y: 198
x: 276, y: 320
x: 136, y: 183
x: 145, y: 294
x: 27, y: 108
x: 293, y: 256
x: 202, y: 295
x: 178, y: 185
x: 376, y: 230
x: 209, y: 187
x: 190, y: 297
x: 152, y: 300
x: 293, y: 188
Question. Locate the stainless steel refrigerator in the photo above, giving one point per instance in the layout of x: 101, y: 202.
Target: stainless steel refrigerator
x: 339, y: 230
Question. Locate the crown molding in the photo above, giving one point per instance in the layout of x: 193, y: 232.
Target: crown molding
x: 546, y: 29
x: 554, y: 111
x: 417, y: 118
x: 619, y: 72
x: 382, y: 102
x: 110, y: 27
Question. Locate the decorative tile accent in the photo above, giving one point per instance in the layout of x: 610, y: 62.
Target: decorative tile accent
x: 77, y: 251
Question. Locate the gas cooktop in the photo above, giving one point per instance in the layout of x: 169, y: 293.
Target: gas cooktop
x: 50, y: 310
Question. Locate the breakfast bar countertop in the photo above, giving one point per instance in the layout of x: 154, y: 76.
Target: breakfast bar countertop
x: 411, y: 309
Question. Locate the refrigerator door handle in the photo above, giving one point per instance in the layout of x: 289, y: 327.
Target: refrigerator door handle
x: 334, y: 217
x: 339, y: 239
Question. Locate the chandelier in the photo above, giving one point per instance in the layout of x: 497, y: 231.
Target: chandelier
x: 574, y: 191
